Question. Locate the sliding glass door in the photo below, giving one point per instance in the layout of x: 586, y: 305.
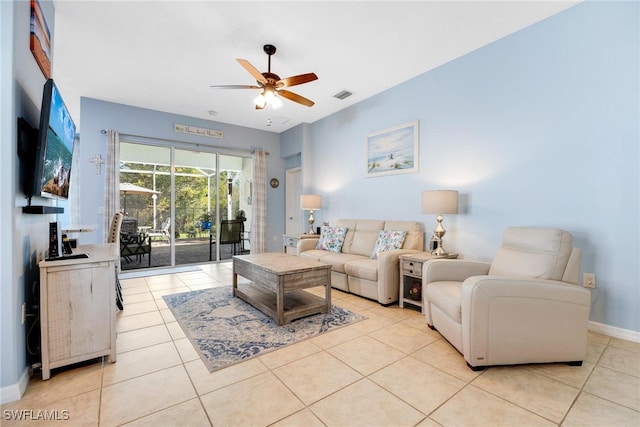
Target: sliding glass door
x: 191, y: 206
x: 145, y: 200
x: 196, y: 197
x: 235, y: 201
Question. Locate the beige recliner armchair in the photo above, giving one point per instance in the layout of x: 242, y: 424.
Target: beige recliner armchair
x: 524, y: 307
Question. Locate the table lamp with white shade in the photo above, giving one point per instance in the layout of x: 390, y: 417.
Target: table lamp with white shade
x: 311, y: 202
x: 439, y: 202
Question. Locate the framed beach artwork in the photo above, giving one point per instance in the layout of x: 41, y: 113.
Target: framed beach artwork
x: 393, y: 151
x: 40, y: 39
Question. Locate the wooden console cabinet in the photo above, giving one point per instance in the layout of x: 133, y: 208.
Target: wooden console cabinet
x: 77, y: 307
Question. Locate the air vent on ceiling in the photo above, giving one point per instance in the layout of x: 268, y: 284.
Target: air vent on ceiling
x: 278, y: 120
x: 343, y: 94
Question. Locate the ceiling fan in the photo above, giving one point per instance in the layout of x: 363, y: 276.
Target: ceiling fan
x: 272, y: 85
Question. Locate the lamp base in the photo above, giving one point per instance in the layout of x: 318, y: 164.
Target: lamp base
x: 439, y: 252
x: 311, y: 221
x: 439, y: 233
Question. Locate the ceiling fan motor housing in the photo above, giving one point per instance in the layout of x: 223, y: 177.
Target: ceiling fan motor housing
x: 269, y: 49
x: 272, y: 80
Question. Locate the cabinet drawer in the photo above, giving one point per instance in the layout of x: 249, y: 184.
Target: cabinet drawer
x: 290, y: 241
x: 412, y: 268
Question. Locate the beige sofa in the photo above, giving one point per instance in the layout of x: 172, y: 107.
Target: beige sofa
x: 353, y: 270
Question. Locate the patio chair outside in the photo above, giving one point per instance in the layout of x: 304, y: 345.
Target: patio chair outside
x: 135, y: 245
x: 230, y: 234
x: 163, y: 231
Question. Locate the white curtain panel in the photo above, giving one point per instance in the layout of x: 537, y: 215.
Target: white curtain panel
x: 259, y: 220
x: 111, y: 181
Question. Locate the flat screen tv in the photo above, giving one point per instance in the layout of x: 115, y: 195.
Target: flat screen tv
x: 54, y: 149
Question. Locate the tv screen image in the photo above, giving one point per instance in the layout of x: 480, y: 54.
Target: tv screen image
x: 56, y: 137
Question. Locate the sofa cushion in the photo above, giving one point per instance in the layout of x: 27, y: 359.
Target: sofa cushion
x: 388, y: 240
x: 446, y: 296
x: 364, y: 268
x: 365, y: 236
x: 338, y: 261
x: 331, y: 238
x: 415, y: 233
x: 351, y: 227
x: 315, y: 254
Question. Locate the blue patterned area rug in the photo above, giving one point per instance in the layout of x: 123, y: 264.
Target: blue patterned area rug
x: 226, y: 330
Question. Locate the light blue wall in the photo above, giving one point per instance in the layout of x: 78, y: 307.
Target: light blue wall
x: 291, y: 141
x: 97, y: 115
x: 539, y: 128
x: 291, y: 146
x: 22, y: 83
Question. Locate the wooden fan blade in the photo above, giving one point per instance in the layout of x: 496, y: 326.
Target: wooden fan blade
x: 234, y: 87
x: 296, y: 98
x: 252, y: 70
x: 297, y: 80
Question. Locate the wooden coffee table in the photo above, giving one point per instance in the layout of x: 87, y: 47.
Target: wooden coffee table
x: 277, y: 285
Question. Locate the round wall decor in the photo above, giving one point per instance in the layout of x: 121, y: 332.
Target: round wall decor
x: 274, y: 183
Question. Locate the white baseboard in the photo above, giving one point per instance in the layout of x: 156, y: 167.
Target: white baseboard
x: 15, y: 391
x: 614, y: 332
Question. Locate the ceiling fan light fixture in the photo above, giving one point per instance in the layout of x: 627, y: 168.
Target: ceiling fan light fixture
x: 269, y: 95
x: 277, y: 102
x: 260, y: 101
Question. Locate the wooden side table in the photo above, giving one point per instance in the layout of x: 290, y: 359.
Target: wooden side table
x: 411, y: 277
x: 290, y: 241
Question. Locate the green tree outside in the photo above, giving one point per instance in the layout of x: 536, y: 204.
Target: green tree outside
x: 191, y: 192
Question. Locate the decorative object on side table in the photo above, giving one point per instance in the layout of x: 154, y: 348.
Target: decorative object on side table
x: 411, y: 277
x: 433, y: 243
x: 440, y: 202
x: 311, y: 202
x: 415, y: 292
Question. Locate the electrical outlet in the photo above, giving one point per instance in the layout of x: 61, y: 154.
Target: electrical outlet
x: 24, y: 312
x: 589, y: 280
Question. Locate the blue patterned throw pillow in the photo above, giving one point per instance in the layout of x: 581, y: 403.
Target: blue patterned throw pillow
x: 388, y: 240
x: 331, y: 238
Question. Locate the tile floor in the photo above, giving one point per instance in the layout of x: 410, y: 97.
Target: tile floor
x: 389, y: 370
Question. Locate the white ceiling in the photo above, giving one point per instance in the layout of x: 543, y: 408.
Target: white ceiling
x: 165, y: 55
